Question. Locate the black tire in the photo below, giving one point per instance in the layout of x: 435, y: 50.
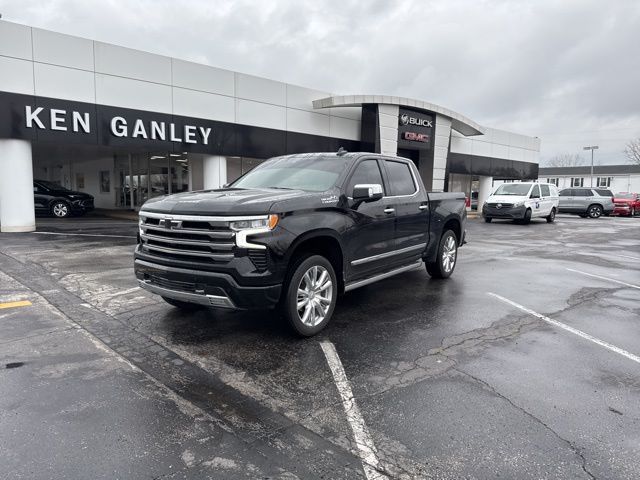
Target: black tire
x: 186, y: 306
x: 315, y: 314
x: 488, y: 219
x: 594, y: 211
x: 440, y: 268
x: 527, y: 217
x: 552, y: 216
x: 60, y: 209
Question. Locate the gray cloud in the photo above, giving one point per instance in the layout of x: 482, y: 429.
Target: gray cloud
x: 567, y: 71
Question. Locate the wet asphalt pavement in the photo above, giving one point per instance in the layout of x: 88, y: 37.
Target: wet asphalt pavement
x: 107, y: 381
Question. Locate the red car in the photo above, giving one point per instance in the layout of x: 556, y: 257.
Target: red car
x: 626, y: 204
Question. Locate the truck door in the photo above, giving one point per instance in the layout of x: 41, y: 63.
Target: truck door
x: 411, y: 209
x: 371, y: 238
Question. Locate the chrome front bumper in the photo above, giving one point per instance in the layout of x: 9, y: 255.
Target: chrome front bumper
x: 200, y: 299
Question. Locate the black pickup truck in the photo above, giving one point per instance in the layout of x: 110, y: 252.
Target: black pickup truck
x: 296, y: 232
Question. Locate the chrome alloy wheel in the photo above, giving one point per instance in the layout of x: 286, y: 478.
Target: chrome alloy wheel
x: 595, y: 211
x: 60, y: 210
x: 315, y: 293
x: 449, y: 254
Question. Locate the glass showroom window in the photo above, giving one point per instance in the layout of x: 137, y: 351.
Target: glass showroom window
x: 577, y: 182
x: 604, y: 182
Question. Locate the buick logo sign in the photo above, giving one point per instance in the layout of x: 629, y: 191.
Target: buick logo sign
x: 405, y: 119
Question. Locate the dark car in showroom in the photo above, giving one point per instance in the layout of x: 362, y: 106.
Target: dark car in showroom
x: 51, y: 198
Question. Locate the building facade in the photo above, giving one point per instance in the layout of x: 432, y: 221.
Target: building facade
x: 617, y: 178
x: 125, y: 125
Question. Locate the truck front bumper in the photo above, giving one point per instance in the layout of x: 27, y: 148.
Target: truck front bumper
x: 205, y: 288
x: 504, y: 213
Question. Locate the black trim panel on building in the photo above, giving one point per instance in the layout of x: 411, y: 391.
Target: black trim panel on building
x: 498, y: 168
x: 223, y: 138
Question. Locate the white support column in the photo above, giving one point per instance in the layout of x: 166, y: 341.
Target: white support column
x: 214, y: 172
x: 440, y: 152
x: 388, y: 118
x: 16, y: 187
x: 484, y: 190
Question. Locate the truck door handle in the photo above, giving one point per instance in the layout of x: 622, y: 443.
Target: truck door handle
x: 423, y: 207
x: 389, y: 210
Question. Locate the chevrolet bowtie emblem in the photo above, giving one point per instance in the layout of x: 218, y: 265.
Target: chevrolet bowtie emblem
x: 169, y: 223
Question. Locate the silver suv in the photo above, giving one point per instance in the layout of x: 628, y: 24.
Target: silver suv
x: 586, y: 202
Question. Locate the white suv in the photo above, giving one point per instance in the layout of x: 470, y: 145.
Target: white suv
x: 522, y: 202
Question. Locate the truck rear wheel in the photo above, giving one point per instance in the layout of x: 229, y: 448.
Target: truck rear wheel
x: 310, y: 295
x: 446, y: 258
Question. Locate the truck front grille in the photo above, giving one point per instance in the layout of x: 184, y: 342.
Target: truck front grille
x: 187, y: 238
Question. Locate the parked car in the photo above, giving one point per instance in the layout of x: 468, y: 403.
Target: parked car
x: 522, y: 202
x: 626, y: 204
x: 54, y: 199
x: 586, y: 202
x: 295, y: 232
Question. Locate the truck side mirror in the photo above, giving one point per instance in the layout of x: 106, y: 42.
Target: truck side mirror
x: 367, y: 192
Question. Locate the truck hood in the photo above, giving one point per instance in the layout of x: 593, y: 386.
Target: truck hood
x: 624, y: 200
x: 224, y: 201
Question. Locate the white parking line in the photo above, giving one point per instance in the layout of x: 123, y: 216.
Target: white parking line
x: 84, y: 235
x: 575, y: 331
x: 364, y: 442
x: 630, y: 285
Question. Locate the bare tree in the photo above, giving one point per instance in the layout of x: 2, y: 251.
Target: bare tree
x: 632, y: 151
x: 566, y: 160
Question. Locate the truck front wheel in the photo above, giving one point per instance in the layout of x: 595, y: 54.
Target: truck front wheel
x: 310, y: 295
x: 447, y: 256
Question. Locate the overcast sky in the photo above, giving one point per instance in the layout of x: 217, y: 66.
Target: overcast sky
x: 565, y: 71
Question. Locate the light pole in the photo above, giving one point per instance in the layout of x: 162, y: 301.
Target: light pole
x: 592, y: 148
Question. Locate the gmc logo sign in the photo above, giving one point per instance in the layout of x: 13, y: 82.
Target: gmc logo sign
x: 415, y: 137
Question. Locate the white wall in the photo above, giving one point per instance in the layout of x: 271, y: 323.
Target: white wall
x: 44, y: 63
x: 91, y: 170
x: 619, y: 183
x: 498, y: 144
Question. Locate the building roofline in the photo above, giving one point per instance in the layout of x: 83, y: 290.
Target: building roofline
x: 586, y: 170
x: 459, y: 122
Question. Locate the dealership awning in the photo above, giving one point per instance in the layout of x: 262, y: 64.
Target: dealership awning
x: 459, y: 122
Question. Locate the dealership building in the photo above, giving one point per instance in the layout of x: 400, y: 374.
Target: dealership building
x: 125, y: 125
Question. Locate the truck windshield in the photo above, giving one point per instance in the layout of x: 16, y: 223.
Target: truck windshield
x: 513, y: 189
x: 311, y: 173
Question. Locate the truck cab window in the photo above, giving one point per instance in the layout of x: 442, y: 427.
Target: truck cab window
x: 400, y: 178
x: 366, y: 172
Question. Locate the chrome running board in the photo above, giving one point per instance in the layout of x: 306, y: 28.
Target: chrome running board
x: 382, y: 276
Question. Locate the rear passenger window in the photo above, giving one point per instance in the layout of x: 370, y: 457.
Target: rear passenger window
x: 545, y: 190
x: 366, y: 172
x: 583, y: 192
x: 400, y: 178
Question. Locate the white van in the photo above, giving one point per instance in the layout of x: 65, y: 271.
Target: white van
x: 522, y: 202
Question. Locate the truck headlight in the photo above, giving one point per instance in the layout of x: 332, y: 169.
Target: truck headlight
x: 244, y: 228
x: 518, y: 204
x: 269, y: 222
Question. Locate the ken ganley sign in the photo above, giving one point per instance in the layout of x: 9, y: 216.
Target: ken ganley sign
x: 79, y: 122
